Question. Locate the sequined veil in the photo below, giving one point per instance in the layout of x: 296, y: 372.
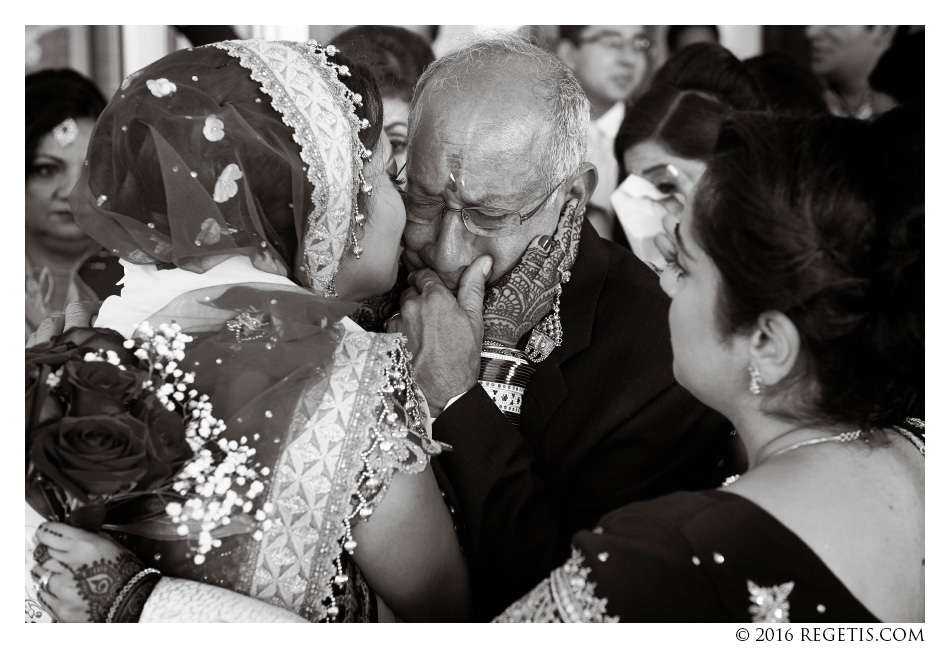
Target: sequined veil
x: 251, y: 149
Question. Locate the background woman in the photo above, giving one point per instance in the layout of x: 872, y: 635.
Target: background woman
x: 671, y: 130
x: 797, y: 285
x: 244, y: 231
x: 62, y: 263
x: 397, y: 58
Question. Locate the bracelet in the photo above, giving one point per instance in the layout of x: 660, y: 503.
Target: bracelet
x: 110, y: 618
x: 504, y: 374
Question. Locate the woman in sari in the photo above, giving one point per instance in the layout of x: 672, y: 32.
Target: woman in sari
x: 246, y: 186
x: 797, y: 285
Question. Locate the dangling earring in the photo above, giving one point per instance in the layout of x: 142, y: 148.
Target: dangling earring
x: 755, y: 380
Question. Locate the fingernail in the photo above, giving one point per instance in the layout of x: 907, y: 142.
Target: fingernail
x: 545, y: 243
x: 487, y: 266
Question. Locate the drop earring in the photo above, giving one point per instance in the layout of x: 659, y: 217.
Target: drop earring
x: 755, y: 380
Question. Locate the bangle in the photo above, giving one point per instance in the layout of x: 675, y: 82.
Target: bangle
x: 124, y: 592
x: 504, y: 374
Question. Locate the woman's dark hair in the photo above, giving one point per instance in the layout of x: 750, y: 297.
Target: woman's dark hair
x: 685, y: 122
x: 711, y: 68
x: 396, y: 56
x: 787, y: 86
x: 51, y: 97
x: 900, y: 70
x: 690, y: 97
x: 674, y: 32
x: 805, y: 217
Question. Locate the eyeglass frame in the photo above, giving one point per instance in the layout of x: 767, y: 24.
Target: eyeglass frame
x: 599, y: 38
x: 461, y: 210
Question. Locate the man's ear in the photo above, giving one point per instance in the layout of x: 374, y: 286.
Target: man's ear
x: 582, y: 186
x: 567, y: 52
x: 774, y: 346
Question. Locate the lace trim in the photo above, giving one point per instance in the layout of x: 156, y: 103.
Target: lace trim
x: 317, y: 116
x: 567, y: 596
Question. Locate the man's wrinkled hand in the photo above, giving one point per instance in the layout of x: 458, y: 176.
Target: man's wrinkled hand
x: 444, y: 331
x: 80, y: 314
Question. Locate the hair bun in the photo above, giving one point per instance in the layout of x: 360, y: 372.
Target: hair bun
x: 896, y: 295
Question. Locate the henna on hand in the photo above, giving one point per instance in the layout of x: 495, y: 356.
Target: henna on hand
x: 526, y: 293
x: 100, y: 582
x: 372, y: 313
x: 41, y: 554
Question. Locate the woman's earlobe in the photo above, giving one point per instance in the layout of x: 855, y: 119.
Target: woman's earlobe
x: 774, y: 346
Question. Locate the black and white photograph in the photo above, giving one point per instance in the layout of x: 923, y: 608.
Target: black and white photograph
x: 477, y: 323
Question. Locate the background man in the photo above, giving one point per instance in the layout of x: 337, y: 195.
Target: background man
x: 610, y: 62
x: 547, y: 437
x: 843, y: 56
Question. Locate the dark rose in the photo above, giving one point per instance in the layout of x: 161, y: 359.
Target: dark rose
x: 100, y: 387
x: 76, y: 342
x: 166, y: 439
x: 42, y: 408
x: 96, y: 339
x: 95, y: 455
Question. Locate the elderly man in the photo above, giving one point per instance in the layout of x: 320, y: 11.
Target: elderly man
x: 559, y: 400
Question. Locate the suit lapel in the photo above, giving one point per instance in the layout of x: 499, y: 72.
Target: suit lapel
x: 547, y: 390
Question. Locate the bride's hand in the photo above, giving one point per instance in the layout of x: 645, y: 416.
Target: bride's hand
x: 86, y: 572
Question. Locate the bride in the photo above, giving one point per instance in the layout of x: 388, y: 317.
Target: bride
x: 250, y: 193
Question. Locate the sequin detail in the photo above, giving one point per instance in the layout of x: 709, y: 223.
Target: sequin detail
x: 335, y: 471
x: 311, y: 101
x: 567, y: 596
x: 769, y: 604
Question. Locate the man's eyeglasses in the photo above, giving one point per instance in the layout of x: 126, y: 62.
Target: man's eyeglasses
x: 481, y: 221
x: 618, y: 43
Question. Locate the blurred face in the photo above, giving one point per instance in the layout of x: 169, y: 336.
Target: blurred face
x: 50, y: 226
x: 704, y: 363
x: 374, y: 272
x: 843, y: 52
x: 396, y: 125
x: 647, y: 159
x: 609, y: 62
x: 472, y: 137
x: 695, y: 34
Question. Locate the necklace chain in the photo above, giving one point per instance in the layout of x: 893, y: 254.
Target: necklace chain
x: 844, y: 437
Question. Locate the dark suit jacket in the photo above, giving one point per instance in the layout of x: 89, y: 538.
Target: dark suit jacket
x: 603, y: 423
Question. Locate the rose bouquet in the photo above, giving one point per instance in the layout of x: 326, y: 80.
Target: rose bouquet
x: 117, y: 439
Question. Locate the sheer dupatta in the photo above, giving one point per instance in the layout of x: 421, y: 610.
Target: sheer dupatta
x: 332, y: 413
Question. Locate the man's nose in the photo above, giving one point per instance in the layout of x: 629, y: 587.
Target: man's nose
x: 630, y: 56
x: 452, y: 250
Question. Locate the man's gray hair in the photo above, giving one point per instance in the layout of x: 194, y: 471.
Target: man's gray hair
x: 568, y: 108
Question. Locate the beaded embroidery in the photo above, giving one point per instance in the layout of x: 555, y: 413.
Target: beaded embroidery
x: 328, y: 477
x: 317, y: 106
x: 769, y: 604
x: 567, y: 596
